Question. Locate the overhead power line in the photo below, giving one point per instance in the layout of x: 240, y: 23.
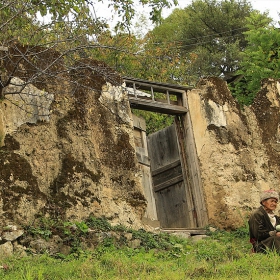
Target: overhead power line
x: 206, y: 36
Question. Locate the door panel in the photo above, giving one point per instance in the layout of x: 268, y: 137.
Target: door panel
x: 150, y: 215
x: 168, y: 179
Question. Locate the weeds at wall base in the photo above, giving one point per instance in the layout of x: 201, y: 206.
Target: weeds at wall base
x: 222, y: 255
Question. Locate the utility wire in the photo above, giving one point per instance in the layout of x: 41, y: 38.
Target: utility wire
x: 206, y: 36
x: 179, y: 45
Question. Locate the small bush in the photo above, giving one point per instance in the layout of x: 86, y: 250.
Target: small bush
x: 98, y: 223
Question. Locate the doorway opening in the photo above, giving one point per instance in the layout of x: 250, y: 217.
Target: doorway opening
x: 167, y: 157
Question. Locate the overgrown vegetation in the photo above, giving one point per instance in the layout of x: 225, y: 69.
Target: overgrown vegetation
x: 154, y: 121
x: 98, y: 233
x: 228, y: 39
x: 222, y: 255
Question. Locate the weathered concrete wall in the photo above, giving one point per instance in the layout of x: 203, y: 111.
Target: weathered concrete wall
x: 69, y: 153
x: 77, y: 161
x: 238, y: 150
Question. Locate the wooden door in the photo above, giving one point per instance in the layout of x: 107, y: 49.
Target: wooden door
x: 150, y: 215
x: 172, y: 193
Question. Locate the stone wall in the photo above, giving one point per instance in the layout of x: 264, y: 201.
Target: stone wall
x: 72, y: 159
x: 70, y: 153
x: 238, y: 149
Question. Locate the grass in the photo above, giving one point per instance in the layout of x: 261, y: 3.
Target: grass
x: 223, y: 255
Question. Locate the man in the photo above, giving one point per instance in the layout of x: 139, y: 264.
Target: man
x: 263, y: 222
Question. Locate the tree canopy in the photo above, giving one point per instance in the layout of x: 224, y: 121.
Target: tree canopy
x: 61, y: 9
x: 208, y: 35
x: 226, y: 38
x: 71, y: 27
x: 260, y: 59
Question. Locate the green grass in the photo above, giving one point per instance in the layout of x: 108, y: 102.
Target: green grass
x: 223, y: 255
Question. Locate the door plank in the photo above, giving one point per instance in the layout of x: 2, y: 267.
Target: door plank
x: 168, y: 181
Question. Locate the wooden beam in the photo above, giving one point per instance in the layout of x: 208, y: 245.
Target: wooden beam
x: 158, y: 100
x: 153, y: 106
x: 158, y: 87
x: 168, y: 183
x: 166, y: 167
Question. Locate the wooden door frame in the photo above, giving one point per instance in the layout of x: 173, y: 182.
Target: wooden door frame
x: 185, y: 135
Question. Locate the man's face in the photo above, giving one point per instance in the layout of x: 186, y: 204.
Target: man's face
x: 270, y: 204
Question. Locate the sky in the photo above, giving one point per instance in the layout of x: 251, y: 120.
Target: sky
x: 270, y: 6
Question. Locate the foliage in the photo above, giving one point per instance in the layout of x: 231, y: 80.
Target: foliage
x: 76, y: 9
x: 100, y: 224
x: 222, y: 255
x: 22, y: 20
x: 126, y: 10
x: 157, y: 241
x: 45, y: 233
x: 162, y: 59
x: 241, y: 232
x: 155, y: 56
x: 119, y: 52
x: 211, y: 38
x: 214, y: 38
x: 42, y: 227
x: 204, y: 39
x: 260, y: 58
x: 213, y: 32
x: 83, y: 227
x: 154, y: 121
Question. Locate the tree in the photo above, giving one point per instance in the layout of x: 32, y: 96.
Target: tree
x: 214, y: 32
x: 162, y: 58
x: 261, y: 58
x: 62, y: 9
x: 119, y: 51
x: 204, y: 39
x: 37, y: 52
x: 126, y: 9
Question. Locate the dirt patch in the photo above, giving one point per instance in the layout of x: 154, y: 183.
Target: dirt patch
x: 10, y: 144
x: 36, y: 63
x: 88, y: 76
x: 136, y: 199
x: 74, y: 120
x: 117, y: 152
x: 268, y: 118
x: 16, y: 180
x: 217, y: 90
x: 225, y: 136
x: 70, y: 166
x: 15, y: 167
x: 93, y: 74
x: 64, y: 192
